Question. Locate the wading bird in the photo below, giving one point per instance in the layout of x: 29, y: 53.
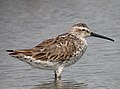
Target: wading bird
x: 58, y: 52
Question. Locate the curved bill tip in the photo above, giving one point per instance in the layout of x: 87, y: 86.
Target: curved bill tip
x: 101, y: 36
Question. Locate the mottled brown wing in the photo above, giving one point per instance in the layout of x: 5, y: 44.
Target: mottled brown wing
x: 55, y: 49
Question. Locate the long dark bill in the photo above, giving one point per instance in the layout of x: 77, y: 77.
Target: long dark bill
x: 100, y: 36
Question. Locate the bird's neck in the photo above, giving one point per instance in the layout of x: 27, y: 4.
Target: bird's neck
x: 84, y: 40
x: 81, y: 38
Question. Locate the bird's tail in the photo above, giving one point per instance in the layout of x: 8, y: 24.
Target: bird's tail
x: 20, y: 53
x: 10, y: 50
x: 13, y: 53
x: 23, y: 55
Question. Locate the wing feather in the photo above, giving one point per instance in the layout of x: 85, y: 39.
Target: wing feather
x: 55, y: 49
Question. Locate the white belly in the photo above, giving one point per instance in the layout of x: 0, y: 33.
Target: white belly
x: 47, y: 65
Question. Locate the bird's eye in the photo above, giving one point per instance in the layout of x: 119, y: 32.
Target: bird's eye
x: 83, y: 29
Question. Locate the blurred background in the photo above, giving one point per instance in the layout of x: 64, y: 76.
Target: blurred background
x: 25, y: 23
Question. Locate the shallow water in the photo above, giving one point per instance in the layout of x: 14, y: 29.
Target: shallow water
x: 25, y: 23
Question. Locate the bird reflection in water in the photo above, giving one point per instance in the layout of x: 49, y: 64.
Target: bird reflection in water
x: 61, y: 84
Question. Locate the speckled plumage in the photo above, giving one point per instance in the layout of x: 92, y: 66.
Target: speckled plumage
x: 58, y: 52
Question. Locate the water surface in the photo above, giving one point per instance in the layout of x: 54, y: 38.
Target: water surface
x: 25, y: 23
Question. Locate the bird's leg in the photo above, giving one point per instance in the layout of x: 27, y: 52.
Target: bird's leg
x: 58, y: 72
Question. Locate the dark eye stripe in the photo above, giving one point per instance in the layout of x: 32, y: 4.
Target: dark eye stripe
x: 85, y: 30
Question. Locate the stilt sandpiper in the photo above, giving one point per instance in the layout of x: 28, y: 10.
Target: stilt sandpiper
x: 58, y: 52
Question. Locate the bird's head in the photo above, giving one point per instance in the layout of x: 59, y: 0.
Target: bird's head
x: 81, y: 30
